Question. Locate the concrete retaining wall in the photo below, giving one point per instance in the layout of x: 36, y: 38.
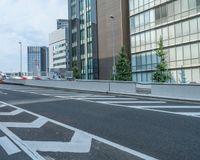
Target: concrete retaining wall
x: 99, y: 86
x: 171, y: 91
x: 189, y: 92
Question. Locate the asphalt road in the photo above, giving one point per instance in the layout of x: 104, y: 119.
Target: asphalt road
x: 38, y: 123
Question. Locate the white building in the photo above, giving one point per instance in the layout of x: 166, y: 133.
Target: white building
x: 58, y: 49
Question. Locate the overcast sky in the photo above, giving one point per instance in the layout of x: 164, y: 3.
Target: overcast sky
x: 28, y: 21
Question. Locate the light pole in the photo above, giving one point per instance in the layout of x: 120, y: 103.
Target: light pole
x: 113, y: 54
x: 20, y: 43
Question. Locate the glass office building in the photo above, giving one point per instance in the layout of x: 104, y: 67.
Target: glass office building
x: 38, y: 60
x: 178, y: 22
x: 83, y: 37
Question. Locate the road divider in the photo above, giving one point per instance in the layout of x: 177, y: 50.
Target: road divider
x: 184, y: 92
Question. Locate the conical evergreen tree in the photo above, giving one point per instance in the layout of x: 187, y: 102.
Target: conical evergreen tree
x: 123, y: 67
x: 75, y: 69
x: 162, y: 73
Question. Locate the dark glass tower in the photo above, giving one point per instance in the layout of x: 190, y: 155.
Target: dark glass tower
x: 38, y: 60
x: 83, y: 37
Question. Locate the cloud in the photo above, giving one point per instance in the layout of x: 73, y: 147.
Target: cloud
x: 28, y: 21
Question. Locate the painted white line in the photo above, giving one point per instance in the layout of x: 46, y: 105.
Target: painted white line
x: 38, y: 123
x: 141, y: 108
x: 72, y: 97
x: 189, y: 113
x: 102, y: 96
x: 48, y: 158
x: 106, y: 98
x: 8, y: 146
x: 115, y: 145
x: 32, y: 92
x: 171, y: 107
x: 32, y: 154
x: 2, y: 105
x: 80, y: 143
x: 3, y: 93
x: 134, y: 102
x: 46, y: 94
x: 13, y: 113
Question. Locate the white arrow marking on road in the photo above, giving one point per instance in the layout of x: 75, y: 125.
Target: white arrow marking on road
x: 13, y: 113
x: 38, y: 123
x: 80, y: 143
x: 8, y: 146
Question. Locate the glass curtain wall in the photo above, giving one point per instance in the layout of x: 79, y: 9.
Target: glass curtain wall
x: 178, y: 22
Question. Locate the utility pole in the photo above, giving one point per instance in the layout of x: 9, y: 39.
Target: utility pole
x: 113, y: 54
x: 20, y: 43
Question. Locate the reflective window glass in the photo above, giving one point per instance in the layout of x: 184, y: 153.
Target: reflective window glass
x: 186, y: 29
x: 178, y: 29
x: 179, y: 53
x: 193, y: 26
x: 187, y: 54
x: 194, y: 51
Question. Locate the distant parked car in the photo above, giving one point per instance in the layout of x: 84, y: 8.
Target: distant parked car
x: 37, y: 78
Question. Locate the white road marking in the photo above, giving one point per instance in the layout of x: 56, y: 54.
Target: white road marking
x: 8, y: 146
x: 80, y: 143
x: 106, y: 98
x: 38, y: 123
x: 48, y: 158
x: 46, y: 94
x: 13, y: 113
x: 141, y: 108
x: 31, y: 152
x: 171, y: 107
x: 3, y: 93
x: 189, y: 113
x: 2, y: 105
x: 101, y: 96
x: 135, y: 102
x: 72, y: 97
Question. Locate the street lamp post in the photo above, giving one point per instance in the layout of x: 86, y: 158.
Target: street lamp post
x: 20, y: 43
x: 113, y: 54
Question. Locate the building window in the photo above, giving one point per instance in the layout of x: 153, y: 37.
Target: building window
x: 186, y: 29
x: 74, y: 38
x: 81, y: 5
x: 89, y: 47
x: 89, y: 32
x: 161, y: 13
x: 132, y: 24
x: 88, y: 16
x: 73, y: 10
x: 74, y: 52
x: 82, y: 34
